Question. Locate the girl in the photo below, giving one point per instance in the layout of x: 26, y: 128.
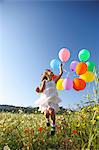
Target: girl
x: 48, y: 102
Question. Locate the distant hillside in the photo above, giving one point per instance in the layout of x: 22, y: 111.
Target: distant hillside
x: 11, y: 108
x: 17, y: 109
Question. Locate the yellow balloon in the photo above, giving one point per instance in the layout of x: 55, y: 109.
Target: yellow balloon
x: 59, y: 84
x: 88, y: 76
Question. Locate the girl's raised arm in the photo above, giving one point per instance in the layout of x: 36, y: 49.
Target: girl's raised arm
x: 60, y: 74
x: 41, y: 88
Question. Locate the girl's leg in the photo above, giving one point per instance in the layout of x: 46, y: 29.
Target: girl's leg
x: 46, y: 112
x: 53, y: 116
x: 52, y: 113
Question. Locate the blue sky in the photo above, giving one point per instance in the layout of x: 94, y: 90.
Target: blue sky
x: 31, y: 35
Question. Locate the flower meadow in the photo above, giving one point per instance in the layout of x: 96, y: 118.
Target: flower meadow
x: 75, y: 130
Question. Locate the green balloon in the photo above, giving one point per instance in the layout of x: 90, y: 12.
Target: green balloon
x: 91, y: 66
x: 84, y: 55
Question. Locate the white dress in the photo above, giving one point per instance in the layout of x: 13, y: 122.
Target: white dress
x: 49, y: 98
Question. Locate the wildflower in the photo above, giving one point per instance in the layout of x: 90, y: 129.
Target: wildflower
x: 93, y: 121
x: 95, y: 108
x: 32, y: 131
x: 42, y: 141
x: 83, y: 110
x: 83, y: 125
x: 97, y: 117
x: 69, y: 140
x: 89, y: 107
x: 40, y: 129
x: 29, y: 145
x: 6, y: 147
x: 74, y: 131
x: 59, y: 127
x: 58, y: 119
x: 26, y: 130
x: 20, y: 111
x: 38, y: 139
x: 78, y: 125
x: 83, y: 116
x: 64, y: 131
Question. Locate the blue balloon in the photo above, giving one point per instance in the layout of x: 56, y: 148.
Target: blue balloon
x: 55, y: 63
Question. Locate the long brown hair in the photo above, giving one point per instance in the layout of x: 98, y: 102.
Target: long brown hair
x: 44, y: 75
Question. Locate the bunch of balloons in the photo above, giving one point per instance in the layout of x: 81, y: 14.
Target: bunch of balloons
x: 83, y: 68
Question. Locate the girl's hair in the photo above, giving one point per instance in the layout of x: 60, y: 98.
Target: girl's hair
x: 44, y: 75
x: 47, y: 70
x: 44, y: 78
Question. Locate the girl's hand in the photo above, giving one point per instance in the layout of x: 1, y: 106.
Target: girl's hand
x: 60, y: 74
x: 37, y: 90
x: 61, y: 65
x: 41, y: 88
x: 61, y: 68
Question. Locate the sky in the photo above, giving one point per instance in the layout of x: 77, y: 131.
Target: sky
x: 31, y: 35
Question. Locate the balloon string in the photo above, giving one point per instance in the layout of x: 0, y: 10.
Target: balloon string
x: 63, y: 63
x: 64, y: 70
x: 70, y: 74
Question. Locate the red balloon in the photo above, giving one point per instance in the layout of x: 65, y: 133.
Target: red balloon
x: 79, y: 84
x: 54, y: 77
x: 81, y: 68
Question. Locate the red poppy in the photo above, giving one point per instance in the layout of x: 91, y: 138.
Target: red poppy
x: 74, y: 131
x: 40, y: 129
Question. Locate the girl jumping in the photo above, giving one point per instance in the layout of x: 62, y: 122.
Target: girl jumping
x: 49, y: 100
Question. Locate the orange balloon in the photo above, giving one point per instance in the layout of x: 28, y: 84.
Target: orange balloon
x: 79, y: 84
x: 81, y: 68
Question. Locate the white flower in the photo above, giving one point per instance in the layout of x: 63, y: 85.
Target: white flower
x: 6, y: 148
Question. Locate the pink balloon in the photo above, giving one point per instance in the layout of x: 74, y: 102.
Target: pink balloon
x: 67, y: 84
x: 73, y: 65
x: 64, y: 54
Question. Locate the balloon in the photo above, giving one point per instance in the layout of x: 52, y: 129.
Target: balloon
x: 73, y: 65
x: 67, y: 84
x: 84, y: 55
x: 59, y: 84
x: 91, y: 66
x: 88, y: 76
x: 81, y: 68
x: 64, y: 54
x: 55, y: 63
x: 79, y: 84
x: 54, y: 77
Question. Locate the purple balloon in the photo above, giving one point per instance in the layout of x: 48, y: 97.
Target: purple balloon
x: 67, y: 84
x: 73, y: 65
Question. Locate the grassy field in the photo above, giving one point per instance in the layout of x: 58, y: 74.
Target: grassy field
x: 74, y: 131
